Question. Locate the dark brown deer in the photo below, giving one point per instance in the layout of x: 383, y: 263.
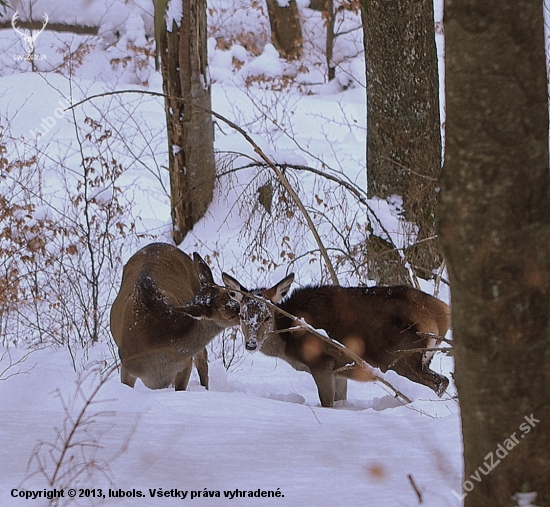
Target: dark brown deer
x: 157, y: 338
x: 375, y: 322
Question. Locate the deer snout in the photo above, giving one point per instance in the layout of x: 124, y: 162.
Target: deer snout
x: 251, y: 345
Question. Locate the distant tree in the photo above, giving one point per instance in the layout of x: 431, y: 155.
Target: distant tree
x: 326, y: 7
x: 286, y: 30
x: 186, y: 84
x: 495, y: 232
x: 403, y: 126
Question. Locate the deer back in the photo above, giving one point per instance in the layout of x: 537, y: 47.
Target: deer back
x: 375, y: 323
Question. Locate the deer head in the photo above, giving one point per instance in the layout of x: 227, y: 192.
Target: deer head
x: 210, y: 302
x: 256, y: 317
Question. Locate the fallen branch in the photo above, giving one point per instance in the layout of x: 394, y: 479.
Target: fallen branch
x: 53, y: 27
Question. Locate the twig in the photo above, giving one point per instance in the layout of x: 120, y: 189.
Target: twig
x: 439, y: 277
x: 437, y: 337
x: 405, y: 168
x: 402, y: 352
x: 351, y: 367
x: 416, y: 490
x: 72, y: 453
x: 4, y: 375
x: 446, y: 350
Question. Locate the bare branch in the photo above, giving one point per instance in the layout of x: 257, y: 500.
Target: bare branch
x: 5, y: 372
x: 262, y: 155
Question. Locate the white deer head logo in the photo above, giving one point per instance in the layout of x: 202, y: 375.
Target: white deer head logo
x: 29, y: 39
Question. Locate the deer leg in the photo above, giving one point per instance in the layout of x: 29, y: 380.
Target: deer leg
x: 126, y: 377
x: 437, y: 382
x: 324, y: 378
x: 182, y: 378
x: 411, y: 367
x: 201, y: 363
x: 341, y: 389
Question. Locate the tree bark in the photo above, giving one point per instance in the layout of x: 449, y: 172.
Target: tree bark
x: 403, y: 126
x: 286, y: 30
x: 495, y: 232
x: 186, y: 83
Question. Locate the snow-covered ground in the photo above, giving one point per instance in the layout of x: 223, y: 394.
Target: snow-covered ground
x: 259, y: 428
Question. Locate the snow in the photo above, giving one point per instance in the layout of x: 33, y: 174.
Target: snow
x: 174, y: 14
x: 257, y: 428
x: 260, y: 426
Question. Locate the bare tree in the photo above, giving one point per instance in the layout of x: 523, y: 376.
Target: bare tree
x: 403, y: 127
x: 186, y: 84
x: 495, y: 231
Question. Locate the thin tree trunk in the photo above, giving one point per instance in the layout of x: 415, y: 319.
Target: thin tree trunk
x: 495, y: 231
x: 330, y: 17
x: 326, y: 7
x: 190, y: 129
x: 403, y: 126
x: 286, y: 30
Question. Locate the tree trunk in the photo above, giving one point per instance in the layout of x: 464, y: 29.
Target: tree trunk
x: 495, y: 232
x: 403, y: 127
x: 326, y: 7
x: 286, y: 30
x: 330, y: 18
x: 186, y: 83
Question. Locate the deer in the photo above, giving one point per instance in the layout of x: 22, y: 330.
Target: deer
x: 393, y: 328
x: 157, y: 337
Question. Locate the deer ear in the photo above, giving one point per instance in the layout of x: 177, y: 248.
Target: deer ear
x: 203, y: 270
x: 280, y: 290
x: 234, y: 287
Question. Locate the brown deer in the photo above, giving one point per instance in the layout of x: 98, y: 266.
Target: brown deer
x: 157, y: 338
x: 376, y: 323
